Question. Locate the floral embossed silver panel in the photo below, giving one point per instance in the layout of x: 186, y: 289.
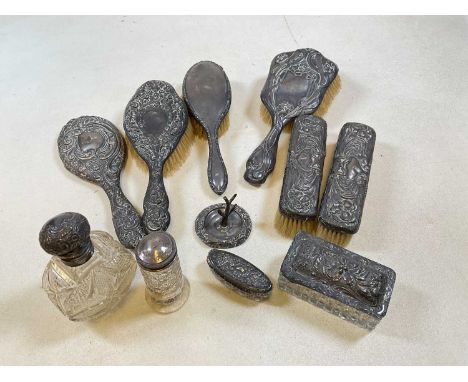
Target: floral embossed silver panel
x: 342, y: 282
x: 344, y: 196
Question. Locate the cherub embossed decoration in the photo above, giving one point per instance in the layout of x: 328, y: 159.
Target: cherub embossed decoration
x: 93, y: 149
x: 303, y: 174
x: 345, y: 193
x: 207, y: 93
x: 223, y: 225
x: 239, y: 275
x: 296, y: 85
x: 155, y: 120
x: 339, y: 281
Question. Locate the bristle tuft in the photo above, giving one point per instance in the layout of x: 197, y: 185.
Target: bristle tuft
x: 331, y: 92
x: 265, y: 115
x: 338, y: 238
x: 180, y: 154
x: 289, y: 227
x: 200, y: 132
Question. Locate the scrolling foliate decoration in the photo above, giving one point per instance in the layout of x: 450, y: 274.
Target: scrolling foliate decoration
x: 155, y: 120
x: 93, y: 149
x: 296, y: 85
x: 346, y: 189
x: 303, y: 174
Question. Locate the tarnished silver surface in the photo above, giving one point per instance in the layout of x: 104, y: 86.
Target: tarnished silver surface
x: 93, y: 149
x: 345, y: 193
x: 67, y: 237
x: 166, y: 287
x: 155, y: 120
x: 222, y: 225
x: 303, y: 174
x: 89, y: 272
x: 239, y: 275
x: 296, y: 85
x: 207, y: 92
x: 342, y: 282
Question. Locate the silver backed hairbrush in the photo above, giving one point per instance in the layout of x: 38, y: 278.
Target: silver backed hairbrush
x: 155, y: 120
x: 93, y: 149
x: 296, y: 85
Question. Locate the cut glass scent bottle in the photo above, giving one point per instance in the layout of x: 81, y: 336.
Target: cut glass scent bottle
x: 89, y: 272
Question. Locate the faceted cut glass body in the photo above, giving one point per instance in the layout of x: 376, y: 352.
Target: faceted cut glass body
x: 90, y: 290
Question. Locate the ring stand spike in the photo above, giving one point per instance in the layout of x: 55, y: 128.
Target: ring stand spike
x: 227, y: 210
x: 223, y: 225
x: 296, y: 85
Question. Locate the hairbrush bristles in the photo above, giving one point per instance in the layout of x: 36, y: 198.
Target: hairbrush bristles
x: 266, y: 117
x: 331, y: 92
x: 174, y: 161
x: 289, y: 227
x: 200, y: 132
x: 338, y: 238
x: 180, y: 154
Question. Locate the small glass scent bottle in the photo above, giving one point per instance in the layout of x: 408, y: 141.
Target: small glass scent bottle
x: 167, y: 289
x: 89, y: 272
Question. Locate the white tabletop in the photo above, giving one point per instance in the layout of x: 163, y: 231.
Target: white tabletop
x: 404, y: 76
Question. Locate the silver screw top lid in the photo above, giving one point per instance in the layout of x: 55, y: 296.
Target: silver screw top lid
x: 67, y: 237
x: 156, y: 251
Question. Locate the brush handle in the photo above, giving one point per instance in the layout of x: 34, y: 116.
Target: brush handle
x: 127, y: 222
x: 262, y: 161
x: 156, y: 215
x: 217, y: 174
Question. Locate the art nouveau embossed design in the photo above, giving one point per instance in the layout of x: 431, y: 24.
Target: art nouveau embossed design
x: 345, y: 193
x: 93, y: 149
x: 318, y: 266
x: 351, y: 276
x: 239, y: 274
x: 207, y: 92
x: 296, y: 85
x: 67, y: 236
x: 304, y: 168
x: 94, y: 288
x: 155, y: 120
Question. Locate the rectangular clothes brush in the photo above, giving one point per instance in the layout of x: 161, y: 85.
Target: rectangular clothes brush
x: 299, y: 200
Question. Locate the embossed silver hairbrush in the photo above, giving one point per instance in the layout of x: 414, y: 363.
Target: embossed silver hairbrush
x: 296, y: 85
x: 155, y: 120
x: 337, y: 280
x: 93, y: 149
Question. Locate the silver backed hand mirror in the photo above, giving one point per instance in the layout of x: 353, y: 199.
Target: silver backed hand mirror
x: 296, y: 85
x: 93, y: 149
x: 207, y: 93
x: 155, y: 120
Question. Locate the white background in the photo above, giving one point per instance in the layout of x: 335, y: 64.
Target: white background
x: 404, y: 76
